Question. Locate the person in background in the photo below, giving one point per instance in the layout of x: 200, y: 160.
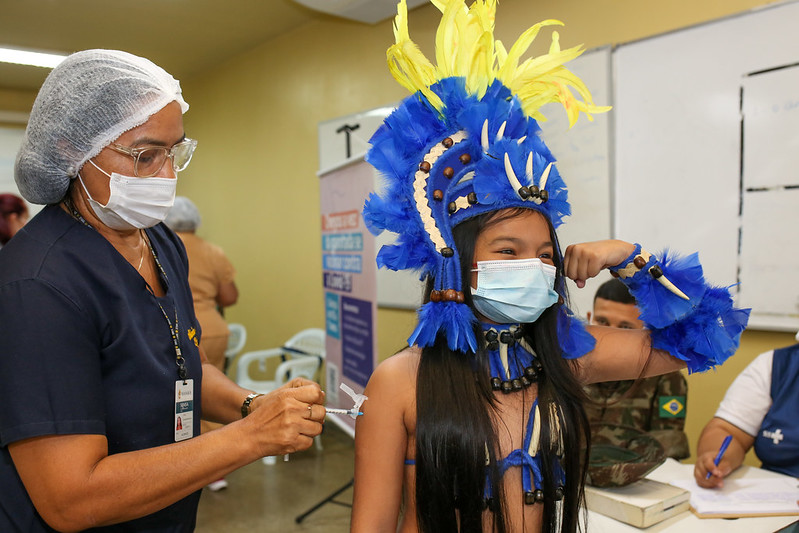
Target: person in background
x: 212, y: 287
x: 13, y: 215
x: 758, y: 410
x: 656, y: 405
x: 103, y: 372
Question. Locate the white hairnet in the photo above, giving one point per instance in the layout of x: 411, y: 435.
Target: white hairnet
x: 183, y: 216
x: 86, y: 102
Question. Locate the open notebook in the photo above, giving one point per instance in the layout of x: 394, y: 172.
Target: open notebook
x: 774, y: 495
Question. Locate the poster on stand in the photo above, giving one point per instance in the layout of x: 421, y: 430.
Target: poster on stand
x: 350, y: 284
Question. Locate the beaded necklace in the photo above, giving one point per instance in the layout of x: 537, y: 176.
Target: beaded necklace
x: 514, y: 367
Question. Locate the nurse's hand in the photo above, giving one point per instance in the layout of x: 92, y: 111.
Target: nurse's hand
x: 705, y: 464
x: 586, y: 260
x: 287, y: 419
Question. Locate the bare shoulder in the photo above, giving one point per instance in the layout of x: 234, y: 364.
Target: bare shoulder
x: 400, y: 366
x: 394, y: 380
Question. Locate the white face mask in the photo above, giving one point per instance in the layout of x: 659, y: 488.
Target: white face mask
x: 134, y: 203
x: 514, y: 290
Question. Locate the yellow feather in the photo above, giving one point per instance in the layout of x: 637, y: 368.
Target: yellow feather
x: 465, y: 47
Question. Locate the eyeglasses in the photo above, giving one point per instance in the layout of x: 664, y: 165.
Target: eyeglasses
x: 149, y: 160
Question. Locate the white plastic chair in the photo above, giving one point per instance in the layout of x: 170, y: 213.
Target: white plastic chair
x: 300, y: 356
x: 235, y: 342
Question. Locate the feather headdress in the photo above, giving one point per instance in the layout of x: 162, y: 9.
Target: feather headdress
x: 465, y: 143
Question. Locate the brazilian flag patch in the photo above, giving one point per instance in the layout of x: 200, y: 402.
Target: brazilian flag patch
x: 671, y: 406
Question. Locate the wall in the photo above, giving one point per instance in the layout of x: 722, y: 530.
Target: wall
x: 254, y: 179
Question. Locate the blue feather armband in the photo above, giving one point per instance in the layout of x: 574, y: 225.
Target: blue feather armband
x: 687, y: 317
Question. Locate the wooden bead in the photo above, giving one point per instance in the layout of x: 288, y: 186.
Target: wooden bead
x: 471, y: 198
x: 656, y: 272
x: 449, y: 295
x: 639, y: 262
x: 435, y: 296
x: 447, y: 252
x: 447, y: 142
x: 496, y: 383
x: 517, y: 384
x: 448, y: 172
x: 507, y: 387
x: 491, y: 335
x: 524, y: 192
x: 544, y: 195
x: 460, y: 298
x: 452, y: 207
x: 529, y: 498
x: 438, y: 195
x: 424, y: 166
x: 465, y: 159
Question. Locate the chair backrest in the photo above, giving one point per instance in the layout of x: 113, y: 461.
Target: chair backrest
x: 305, y: 367
x: 236, y: 340
x: 309, y: 341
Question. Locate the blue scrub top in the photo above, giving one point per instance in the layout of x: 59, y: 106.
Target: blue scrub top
x: 777, y: 441
x: 85, y: 349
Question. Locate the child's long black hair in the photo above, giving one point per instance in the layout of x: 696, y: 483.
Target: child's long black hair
x: 454, y: 427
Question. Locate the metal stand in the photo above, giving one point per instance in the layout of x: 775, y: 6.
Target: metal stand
x: 329, y: 499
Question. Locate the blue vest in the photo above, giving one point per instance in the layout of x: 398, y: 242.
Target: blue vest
x: 777, y: 441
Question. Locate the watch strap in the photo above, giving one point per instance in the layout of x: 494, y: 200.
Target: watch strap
x: 245, y: 407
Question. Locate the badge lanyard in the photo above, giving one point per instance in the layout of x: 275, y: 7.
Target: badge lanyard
x: 174, y: 331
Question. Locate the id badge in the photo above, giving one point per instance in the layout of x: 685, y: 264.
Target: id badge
x: 184, y: 409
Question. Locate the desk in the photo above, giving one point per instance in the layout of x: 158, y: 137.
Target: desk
x: 687, y: 522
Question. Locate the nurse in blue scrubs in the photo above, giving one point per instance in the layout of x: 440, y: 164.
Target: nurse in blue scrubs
x: 758, y: 410
x: 103, y: 378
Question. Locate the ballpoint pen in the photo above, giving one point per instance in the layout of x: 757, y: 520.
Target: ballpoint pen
x: 719, y: 455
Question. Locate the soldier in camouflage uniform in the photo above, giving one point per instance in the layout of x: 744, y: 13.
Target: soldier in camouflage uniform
x: 655, y: 405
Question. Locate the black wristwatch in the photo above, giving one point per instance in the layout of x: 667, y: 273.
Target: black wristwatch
x: 245, y: 407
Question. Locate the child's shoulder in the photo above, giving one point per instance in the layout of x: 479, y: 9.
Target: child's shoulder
x: 397, y: 370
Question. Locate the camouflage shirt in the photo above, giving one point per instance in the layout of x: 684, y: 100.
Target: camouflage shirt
x: 656, y: 405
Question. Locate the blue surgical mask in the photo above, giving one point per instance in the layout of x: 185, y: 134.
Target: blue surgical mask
x: 514, y: 290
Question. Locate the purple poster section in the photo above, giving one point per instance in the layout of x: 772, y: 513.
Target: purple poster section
x: 350, y: 284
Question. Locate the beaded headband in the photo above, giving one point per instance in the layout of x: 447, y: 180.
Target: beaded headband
x: 465, y: 143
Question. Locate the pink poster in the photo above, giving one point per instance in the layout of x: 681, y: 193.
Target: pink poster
x: 350, y: 285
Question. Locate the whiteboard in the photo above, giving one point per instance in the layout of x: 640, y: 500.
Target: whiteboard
x: 678, y: 150
x: 769, y: 251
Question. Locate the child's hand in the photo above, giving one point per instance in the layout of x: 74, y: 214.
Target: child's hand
x: 586, y: 260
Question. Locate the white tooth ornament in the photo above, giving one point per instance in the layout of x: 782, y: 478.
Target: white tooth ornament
x: 542, y: 184
x: 528, y: 171
x: 536, y: 434
x: 663, y: 280
x: 514, y: 181
x: 501, y: 132
x: 484, y: 136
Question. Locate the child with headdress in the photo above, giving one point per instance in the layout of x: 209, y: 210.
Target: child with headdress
x: 478, y: 425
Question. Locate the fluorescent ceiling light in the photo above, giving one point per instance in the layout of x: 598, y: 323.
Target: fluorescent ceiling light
x: 27, y: 57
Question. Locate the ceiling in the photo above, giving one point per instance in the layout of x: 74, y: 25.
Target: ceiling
x: 182, y: 36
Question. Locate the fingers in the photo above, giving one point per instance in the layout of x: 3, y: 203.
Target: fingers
x: 307, y: 391
x: 586, y: 260
x: 287, y: 419
x: 704, y: 466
